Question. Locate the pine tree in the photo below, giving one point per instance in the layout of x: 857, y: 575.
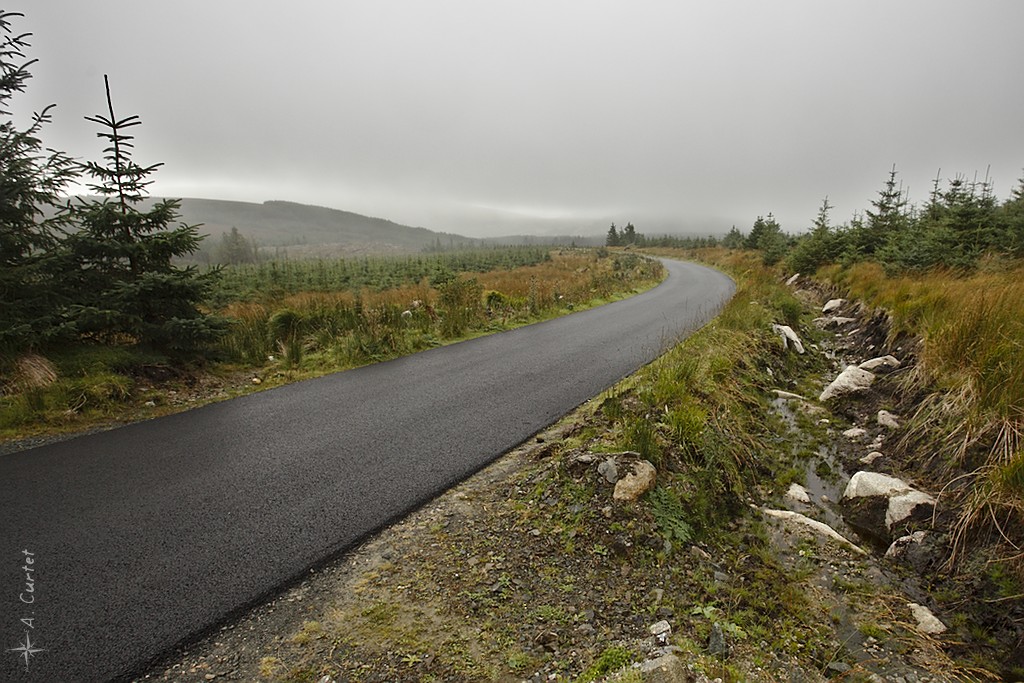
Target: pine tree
x: 32, y: 183
x: 613, y: 239
x: 771, y: 241
x: 819, y: 246
x: 888, y: 218
x: 235, y: 249
x: 120, y: 261
x: 734, y: 239
x: 628, y: 234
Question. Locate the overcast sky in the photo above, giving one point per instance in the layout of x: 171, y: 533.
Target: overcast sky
x: 484, y: 116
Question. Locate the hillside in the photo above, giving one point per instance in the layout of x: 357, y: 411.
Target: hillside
x: 303, y: 230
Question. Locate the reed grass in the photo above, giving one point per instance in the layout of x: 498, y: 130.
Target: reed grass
x: 971, y: 371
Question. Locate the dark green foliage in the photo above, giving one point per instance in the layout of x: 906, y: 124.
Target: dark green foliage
x: 888, y: 219
x: 234, y: 249
x: 613, y: 239
x: 670, y: 515
x: 819, y: 246
x: 734, y: 239
x: 275, y: 278
x: 32, y: 180
x: 766, y: 236
x: 118, y: 263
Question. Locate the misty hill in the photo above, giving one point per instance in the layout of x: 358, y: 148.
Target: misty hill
x: 303, y: 230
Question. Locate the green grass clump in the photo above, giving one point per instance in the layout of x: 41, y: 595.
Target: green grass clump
x: 611, y: 659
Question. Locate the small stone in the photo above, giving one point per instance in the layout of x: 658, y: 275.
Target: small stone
x: 257, y: 380
x: 870, y: 457
x: 661, y: 632
x: 888, y: 420
x: 838, y: 667
x: 608, y: 470
x: 884, y: 362
x: 716, y: 643
x: 150, y: 404
x: 855, y: 433
x: 926, y: 621
x: 798, y: 493
x: 792, y: 280
x: 636, y: 483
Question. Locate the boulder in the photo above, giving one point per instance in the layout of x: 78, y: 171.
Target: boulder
x: 666, y: 669
x: 832, y: 305
x: 636, y: 483
x: 814, y: 525
x: 852, y: 380
x: 878, y: 502
x: 789, y: 337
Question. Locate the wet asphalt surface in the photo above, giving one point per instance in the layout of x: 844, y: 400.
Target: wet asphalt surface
x: 146, y: 536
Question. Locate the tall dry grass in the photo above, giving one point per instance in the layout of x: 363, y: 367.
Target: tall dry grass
x: 971, y: 371
x: 346, y: 327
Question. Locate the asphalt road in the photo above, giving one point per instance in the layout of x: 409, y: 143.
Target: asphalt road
x: 147, y: 535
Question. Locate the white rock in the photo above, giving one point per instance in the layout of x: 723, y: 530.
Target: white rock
x: 888, y: 420
x: 815, y: 525
x: 850, y: 381
x: 798, y: 493
x: 660, y: 628
x: 870, y: 457
x: 636, y: 483
x: 926, y: 621
x: 854, y: 433
x: 903, y: 505
x: 832, y: 304
x: 791, y: 281
x: 903, y: 499
x: 789, y: 337
x: 897, y: 547
x: 864, y: 484
x: 788, y: 395
x: 888, y: 362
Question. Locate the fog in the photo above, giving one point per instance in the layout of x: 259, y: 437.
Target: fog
x: 489, y: 118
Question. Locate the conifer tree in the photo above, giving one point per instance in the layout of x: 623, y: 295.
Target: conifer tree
x: 628, y: 234
x: 120, y: 261
x: 33, y: 180
x: 888, y: 218
x: 613, y: 239
x: 734, y: 239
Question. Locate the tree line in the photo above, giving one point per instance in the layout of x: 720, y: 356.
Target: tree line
x: 961, y: 221
x: 91, y: 269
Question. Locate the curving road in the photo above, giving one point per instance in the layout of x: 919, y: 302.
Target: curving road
x: 145, y: 536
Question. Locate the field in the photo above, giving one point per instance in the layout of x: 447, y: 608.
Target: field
x: 287, y: 321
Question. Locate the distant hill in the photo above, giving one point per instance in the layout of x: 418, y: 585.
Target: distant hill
x: 301, y: 230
